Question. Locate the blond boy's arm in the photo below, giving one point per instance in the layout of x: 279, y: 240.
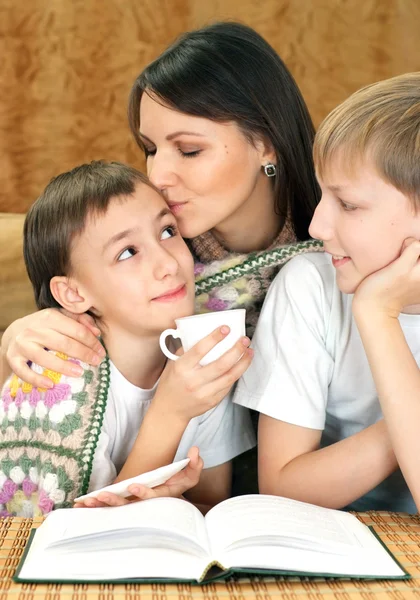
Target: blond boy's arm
x: 397, y: 380
x: 291, y: 464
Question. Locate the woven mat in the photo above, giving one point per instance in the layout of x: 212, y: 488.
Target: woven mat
x: 400, y: 532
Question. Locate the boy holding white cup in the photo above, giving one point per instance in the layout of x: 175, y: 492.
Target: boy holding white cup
x: 101, y: 239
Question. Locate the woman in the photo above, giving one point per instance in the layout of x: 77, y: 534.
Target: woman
x: 228, y: 139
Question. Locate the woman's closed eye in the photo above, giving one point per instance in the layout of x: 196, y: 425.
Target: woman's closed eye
x: 127, y: 253
x: 189, y: 153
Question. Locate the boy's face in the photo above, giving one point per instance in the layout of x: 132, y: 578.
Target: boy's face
x: 133, y: 266
x: 363, y: 221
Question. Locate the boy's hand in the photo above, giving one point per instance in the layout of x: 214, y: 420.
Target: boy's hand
x: 173, y: 488
x: 392, y: 288
x: 186, y: 389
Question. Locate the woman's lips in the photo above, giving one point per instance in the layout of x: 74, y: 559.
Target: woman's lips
x: 177, y: 207
x: 173, y: 295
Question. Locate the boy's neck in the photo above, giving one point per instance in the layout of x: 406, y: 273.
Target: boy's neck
x: 138, y: 359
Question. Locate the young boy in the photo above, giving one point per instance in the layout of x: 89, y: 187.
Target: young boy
x: 101, y: 240
x: 322, y: 436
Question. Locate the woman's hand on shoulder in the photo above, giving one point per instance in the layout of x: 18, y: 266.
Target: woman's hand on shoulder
x: 30, y: 338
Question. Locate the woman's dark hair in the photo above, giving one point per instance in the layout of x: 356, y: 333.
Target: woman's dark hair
x: 228, y: 72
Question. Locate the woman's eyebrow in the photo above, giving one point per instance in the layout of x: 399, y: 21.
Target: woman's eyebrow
x: 171, y: 136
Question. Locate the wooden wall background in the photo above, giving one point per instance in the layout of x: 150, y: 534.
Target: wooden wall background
x: 67, y: 65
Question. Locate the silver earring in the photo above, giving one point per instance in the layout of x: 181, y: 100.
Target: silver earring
x: 270, y: 170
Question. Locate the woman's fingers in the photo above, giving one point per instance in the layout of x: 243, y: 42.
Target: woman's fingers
x: 20, y: 367
x: 85, y: 320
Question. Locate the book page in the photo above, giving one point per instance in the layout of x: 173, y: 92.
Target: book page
x: 167, y: 515
x: 304, y: 525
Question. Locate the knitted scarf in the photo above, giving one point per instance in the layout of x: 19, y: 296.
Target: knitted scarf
x: 48, y: 438
x: 240, y: 280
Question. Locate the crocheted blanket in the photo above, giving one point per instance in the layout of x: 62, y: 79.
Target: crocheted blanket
x: 242, y: 280
x: 48, y: 438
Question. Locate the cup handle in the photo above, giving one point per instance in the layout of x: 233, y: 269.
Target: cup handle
x: 162, y: 342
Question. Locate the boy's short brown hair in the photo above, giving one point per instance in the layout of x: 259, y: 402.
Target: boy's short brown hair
x: 60, y: 214
x: 380, y: 122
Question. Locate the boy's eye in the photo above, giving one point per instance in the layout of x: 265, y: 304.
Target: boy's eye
x: 128, y: 253
x: 346, y: 206
x: 168, y: 232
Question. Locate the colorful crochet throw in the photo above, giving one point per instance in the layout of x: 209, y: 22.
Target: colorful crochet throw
x: 48, y: 437
x: 242, y: 281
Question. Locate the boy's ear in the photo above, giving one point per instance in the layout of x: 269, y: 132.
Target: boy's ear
x: 68, y: 294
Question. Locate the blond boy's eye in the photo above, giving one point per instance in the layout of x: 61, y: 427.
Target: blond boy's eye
x: 128, y: 253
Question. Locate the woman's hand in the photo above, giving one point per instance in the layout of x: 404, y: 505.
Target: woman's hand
x: 187, y: 389
x: 395, y: 287
x: 28, y: 339
x: 173, y: 488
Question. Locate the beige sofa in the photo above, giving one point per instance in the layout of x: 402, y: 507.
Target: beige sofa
x: 16, y: 299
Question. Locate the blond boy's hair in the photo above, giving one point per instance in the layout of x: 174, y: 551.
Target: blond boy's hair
x: 380, y: 123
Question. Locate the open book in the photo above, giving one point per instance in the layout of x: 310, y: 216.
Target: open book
x: 169, y: 539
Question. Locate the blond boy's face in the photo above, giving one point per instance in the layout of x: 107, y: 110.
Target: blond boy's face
x: 133, y: 265
x: 363, y: 221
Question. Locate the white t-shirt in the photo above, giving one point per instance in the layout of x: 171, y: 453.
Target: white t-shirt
x: 221, y: 433
x: 310, y: 368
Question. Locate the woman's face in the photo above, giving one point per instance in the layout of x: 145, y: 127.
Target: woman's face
x: 209, y: 173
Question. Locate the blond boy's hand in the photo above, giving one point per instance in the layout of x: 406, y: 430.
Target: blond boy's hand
x: 388, y: 291
x: 186, y: 389
x: 173, y: 488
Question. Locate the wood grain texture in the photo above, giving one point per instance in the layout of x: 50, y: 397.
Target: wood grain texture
x: 67, y: 67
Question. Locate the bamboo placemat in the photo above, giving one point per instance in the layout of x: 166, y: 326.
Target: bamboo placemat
x: 400, y: 532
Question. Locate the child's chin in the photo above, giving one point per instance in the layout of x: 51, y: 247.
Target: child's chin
x: 347, y: 287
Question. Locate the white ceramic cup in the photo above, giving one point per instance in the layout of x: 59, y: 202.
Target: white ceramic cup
x: 191, y: 330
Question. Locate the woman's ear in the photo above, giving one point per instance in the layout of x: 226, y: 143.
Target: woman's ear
x: 265, y: 151
x: 69, y: 295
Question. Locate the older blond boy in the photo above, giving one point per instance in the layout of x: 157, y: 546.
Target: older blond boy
x: 322, y: 435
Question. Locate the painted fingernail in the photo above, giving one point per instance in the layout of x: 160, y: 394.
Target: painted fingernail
x: 76, y: 370
x: 224, y: 329
x: 246, y: 341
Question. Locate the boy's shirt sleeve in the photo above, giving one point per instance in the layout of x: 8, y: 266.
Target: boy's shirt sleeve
x: 220, y: 434
x: 291, y: 370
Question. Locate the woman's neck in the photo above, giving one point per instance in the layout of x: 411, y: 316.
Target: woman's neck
x: 254, y: 225
x: 139, y: 359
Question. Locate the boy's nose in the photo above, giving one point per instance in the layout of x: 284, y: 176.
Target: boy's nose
x: 319, y: 227
x: 165, y: 264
